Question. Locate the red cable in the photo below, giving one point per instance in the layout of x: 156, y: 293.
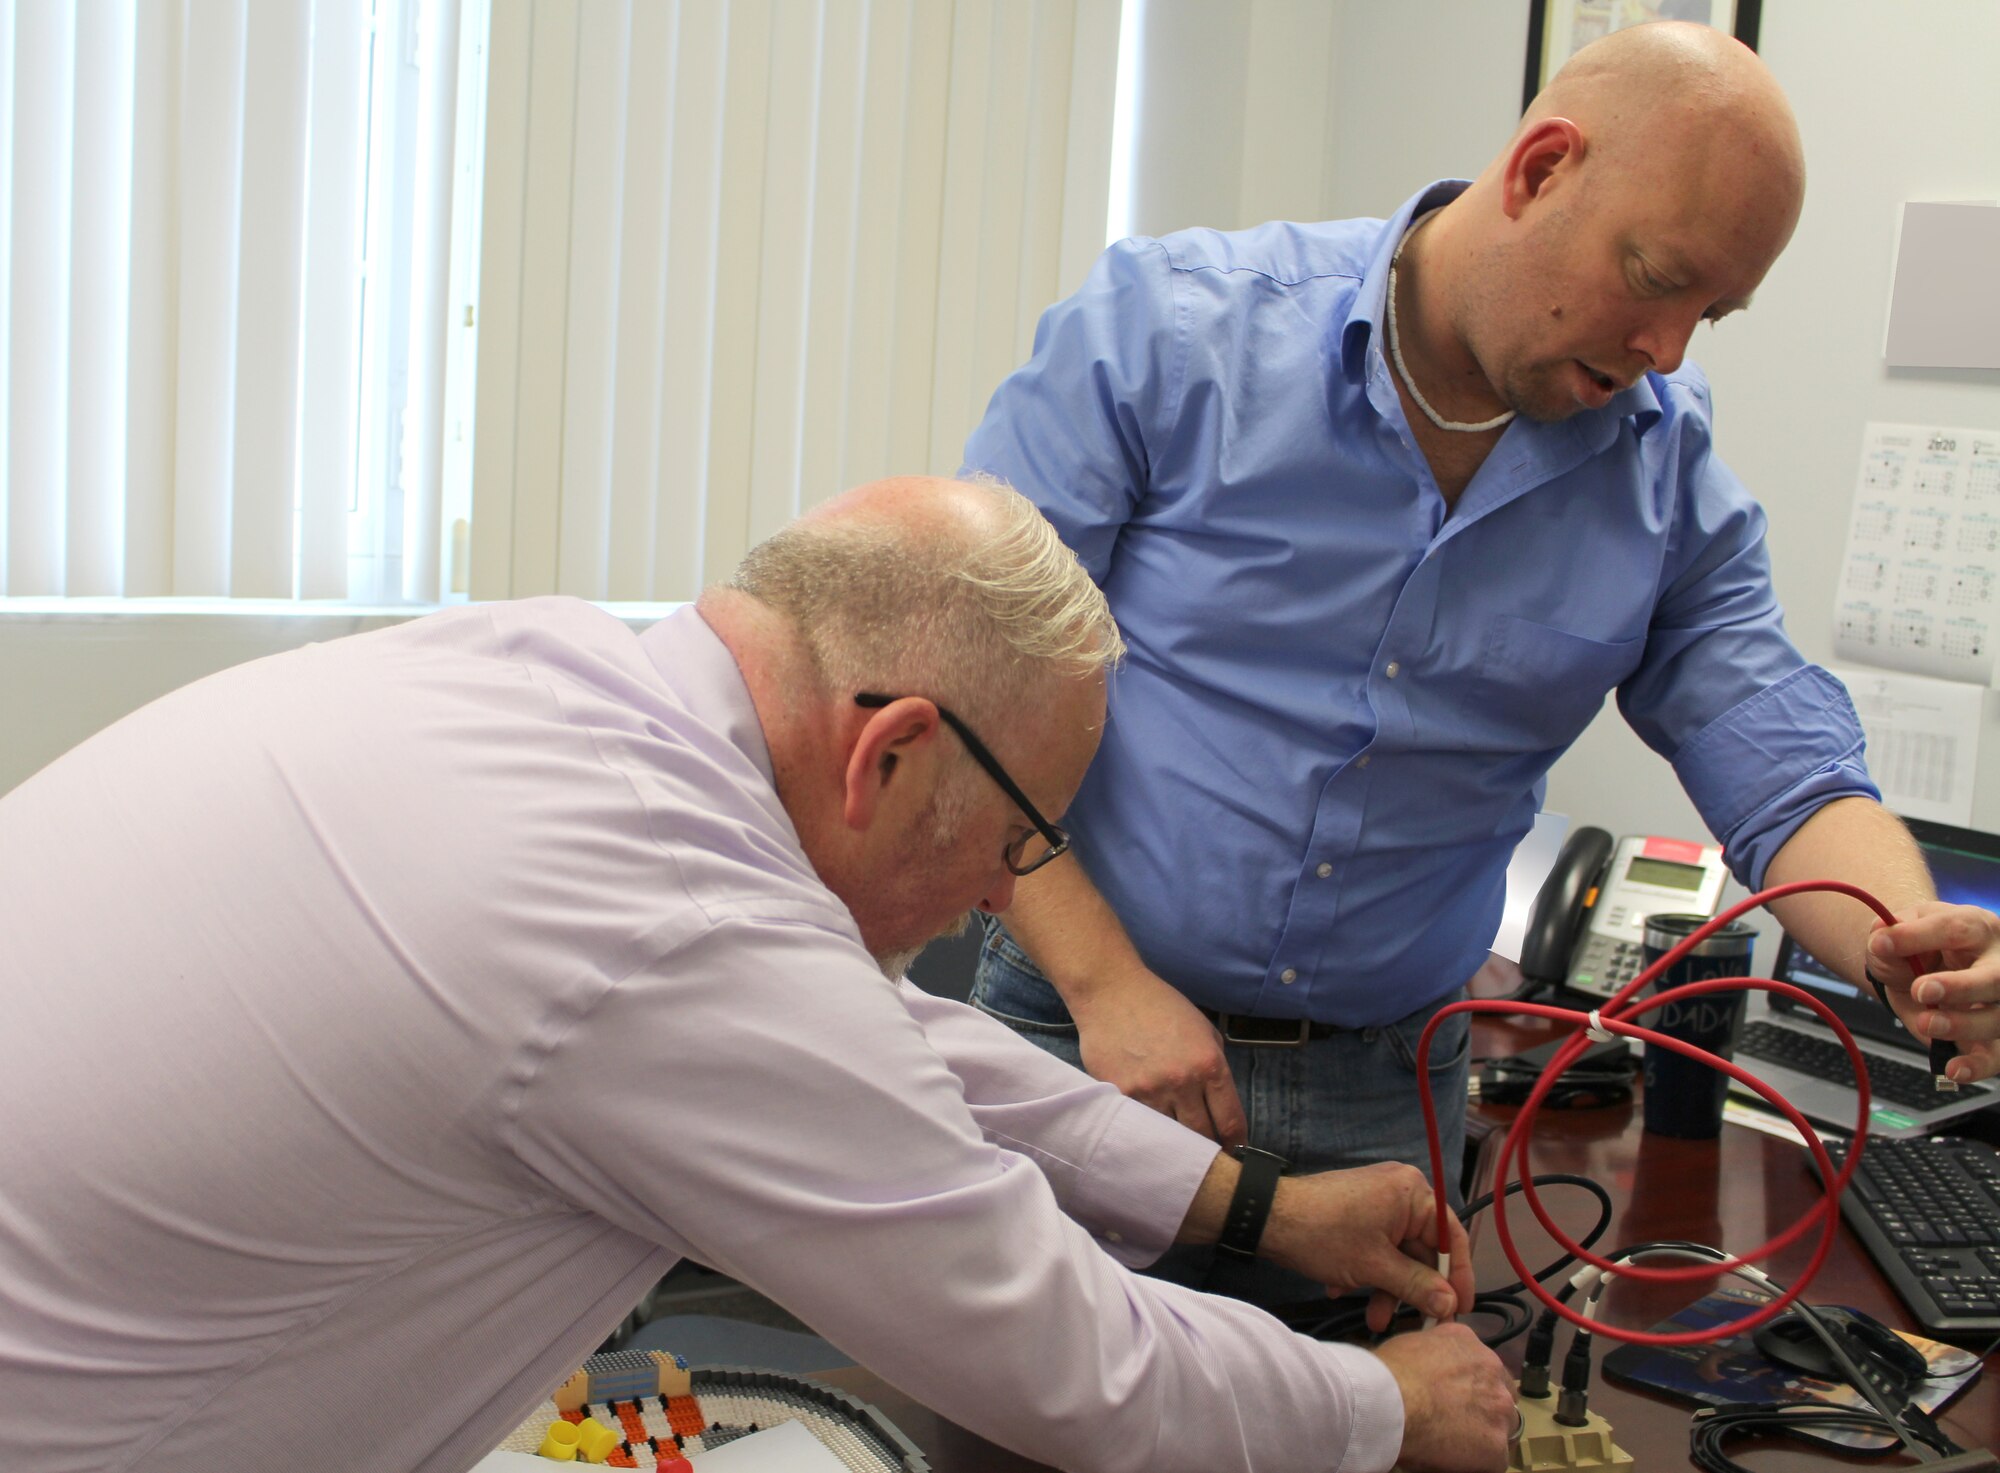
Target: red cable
x: 1614, y: 1015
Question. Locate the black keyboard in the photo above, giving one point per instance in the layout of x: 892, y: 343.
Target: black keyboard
x: 1907, y: 1085
x: 1928, y: 1212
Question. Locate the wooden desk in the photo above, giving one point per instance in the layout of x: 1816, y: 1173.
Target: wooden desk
x: 1733, y: 1192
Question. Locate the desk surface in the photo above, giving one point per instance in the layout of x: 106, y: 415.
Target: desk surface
x: 1734, y: 1192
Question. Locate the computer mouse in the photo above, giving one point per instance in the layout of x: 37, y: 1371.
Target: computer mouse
x: 1790, y: 1341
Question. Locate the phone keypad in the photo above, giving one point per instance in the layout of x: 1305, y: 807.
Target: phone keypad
x: 1607, y: 964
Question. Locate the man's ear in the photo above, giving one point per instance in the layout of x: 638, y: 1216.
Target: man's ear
x: 1537, y: 156
x: 878, y: 759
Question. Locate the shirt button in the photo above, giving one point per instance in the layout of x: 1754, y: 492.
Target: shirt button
x: 1324, y: 870
x: 1289, y: 976
x: 1363, y: 760
x: 1114, y: 1237
x: 1393, y: 669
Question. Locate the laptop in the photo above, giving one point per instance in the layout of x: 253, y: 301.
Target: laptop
x: 1791, y: 1049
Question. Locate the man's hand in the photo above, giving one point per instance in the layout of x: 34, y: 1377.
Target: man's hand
x: 1157, y: 1047
x: 1374, y: 1227
x: 1458, y: 1404
x: 1956, y: 998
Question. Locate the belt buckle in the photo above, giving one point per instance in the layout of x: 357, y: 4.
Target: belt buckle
x: 1267, y: 1040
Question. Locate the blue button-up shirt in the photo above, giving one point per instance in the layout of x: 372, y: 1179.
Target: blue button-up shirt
x: 1343, y: 696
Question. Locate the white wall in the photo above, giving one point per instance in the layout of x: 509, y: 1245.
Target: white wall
x: 65, y: 674
x: 1233, y: 119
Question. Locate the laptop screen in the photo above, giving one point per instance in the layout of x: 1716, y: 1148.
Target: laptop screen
x: 1966, y: 867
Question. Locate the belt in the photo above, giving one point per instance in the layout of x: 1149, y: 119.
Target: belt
x: 1269, y: 1032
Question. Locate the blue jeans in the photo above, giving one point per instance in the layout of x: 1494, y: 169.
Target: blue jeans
x: 1345, y: 1100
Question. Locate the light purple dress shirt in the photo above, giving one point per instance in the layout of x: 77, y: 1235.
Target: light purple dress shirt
x: 386, y: 1017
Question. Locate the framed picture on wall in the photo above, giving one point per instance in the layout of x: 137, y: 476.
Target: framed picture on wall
x: 1558, y: 29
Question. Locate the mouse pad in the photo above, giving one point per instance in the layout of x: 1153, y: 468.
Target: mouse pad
x: 1733, y: 1370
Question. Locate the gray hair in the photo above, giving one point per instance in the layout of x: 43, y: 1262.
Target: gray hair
x: 978, y: 613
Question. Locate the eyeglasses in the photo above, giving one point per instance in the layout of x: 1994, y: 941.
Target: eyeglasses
x: 1057, y: 840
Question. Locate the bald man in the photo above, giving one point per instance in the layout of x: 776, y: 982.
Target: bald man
x: 391, y: 1014
x: 1385, y: 509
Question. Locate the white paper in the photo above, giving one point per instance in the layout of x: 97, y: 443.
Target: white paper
x: 1923, y: 741
x: 1920, y: 587
x: 788, y: 1447
x: 506, y: 1462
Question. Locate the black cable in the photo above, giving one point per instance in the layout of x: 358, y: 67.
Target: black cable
x: 1517, y: 1315
x: 1330, y: 1323
x: 1715, y: 1426
x: 1346, y: 1318
x: 1551, y: 1179
x: 1907, y: 1422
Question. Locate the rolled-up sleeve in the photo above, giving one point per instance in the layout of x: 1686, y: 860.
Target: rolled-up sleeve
x: 1758, y: 737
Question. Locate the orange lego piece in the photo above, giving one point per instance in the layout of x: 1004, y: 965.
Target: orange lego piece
x: 631, y: 1421
x: 684, y: 1416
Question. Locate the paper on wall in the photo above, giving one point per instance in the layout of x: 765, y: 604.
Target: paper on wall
x: 1920, y: 587
x: 1923, y: 741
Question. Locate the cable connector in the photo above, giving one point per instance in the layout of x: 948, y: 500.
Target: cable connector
x: 1573, y: 1406
x: 1943, y: 1051
x: 1535, y: 1359
x: 1587, y: 1281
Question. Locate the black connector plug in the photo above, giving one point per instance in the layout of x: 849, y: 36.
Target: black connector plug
x: 1943, y: 1051
x: 1535, y: 1359
x: 1573, y: 1406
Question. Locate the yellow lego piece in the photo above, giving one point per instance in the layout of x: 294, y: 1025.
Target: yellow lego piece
x: 595, y: 1440
x: 559, y: 1443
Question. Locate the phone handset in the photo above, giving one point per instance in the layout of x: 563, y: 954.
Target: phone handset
x: 1589, y: 922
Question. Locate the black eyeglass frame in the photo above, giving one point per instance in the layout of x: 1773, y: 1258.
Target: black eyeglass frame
x: 1058, y: 840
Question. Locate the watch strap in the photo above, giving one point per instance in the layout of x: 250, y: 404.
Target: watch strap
x: 1250, y: 1204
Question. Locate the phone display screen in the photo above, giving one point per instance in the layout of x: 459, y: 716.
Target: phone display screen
x: 1664, y: 873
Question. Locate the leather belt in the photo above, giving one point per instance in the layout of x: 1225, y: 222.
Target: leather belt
x: 1269, y: 1032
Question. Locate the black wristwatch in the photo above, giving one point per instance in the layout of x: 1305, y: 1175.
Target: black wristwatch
x: 1256, y: 1186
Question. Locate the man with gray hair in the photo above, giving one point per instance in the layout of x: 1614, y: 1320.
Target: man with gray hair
x: 404, y: 1007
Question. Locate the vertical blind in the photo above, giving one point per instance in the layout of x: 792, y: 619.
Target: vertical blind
x: 181, y: 258
x: 736, y: 255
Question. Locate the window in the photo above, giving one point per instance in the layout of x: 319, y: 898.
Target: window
x: 213, y: 212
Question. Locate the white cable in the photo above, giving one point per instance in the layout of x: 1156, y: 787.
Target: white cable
x: 1444, y: 1267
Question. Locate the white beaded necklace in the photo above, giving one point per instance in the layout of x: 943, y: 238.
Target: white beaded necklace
x: 1402, y: 369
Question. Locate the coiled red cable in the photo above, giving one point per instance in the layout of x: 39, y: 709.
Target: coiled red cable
x: 1614, y: 1016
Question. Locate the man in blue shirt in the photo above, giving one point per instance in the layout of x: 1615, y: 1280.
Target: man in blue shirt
x: 1384, y: 510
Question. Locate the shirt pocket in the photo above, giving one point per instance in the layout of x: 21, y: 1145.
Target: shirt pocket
x: 1538, y: 687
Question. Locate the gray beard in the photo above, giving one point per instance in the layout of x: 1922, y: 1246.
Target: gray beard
x: 895, y: 965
